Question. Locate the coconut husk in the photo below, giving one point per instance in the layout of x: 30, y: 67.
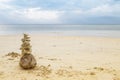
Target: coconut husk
x: 28, y: 61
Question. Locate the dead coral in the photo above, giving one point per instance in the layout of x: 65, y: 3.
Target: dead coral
x: 13, y: 54
x: 44, y: 71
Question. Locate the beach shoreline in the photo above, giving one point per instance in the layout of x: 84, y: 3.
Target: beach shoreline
x: 62, y: 57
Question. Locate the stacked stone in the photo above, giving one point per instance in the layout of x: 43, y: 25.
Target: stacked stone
x: 26, y: 47
x: 27, y: 60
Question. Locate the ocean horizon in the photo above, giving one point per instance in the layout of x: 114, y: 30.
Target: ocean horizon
x: 74, y: 30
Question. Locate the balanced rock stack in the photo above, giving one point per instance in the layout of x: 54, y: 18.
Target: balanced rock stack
x: 27, y: 60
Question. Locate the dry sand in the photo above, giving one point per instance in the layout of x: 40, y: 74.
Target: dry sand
x: 62, y: 58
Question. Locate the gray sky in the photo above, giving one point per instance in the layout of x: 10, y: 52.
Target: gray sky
x: 59, y: 11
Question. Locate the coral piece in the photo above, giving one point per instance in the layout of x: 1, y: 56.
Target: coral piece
x: 13, y: 54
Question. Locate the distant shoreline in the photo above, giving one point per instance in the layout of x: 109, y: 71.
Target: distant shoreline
x: 89, y: 33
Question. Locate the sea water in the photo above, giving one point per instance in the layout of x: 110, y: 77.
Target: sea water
x: 71, y: 30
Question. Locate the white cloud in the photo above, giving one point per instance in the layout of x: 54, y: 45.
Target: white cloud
x: 27, y: 15
x: 106, y: 13
x: 105, y: 10
x: 36, y: 13
x: 74, y: 10
x: 4, y: 5
x: 101, y: 9
x: 4, y: 1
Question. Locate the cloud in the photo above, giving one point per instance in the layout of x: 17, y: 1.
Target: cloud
x: 106, y: 10
x: 59, y: 12
x: 36, y: 15
x: 60, y: 4
x: 11, y: 14
x: 4, y: 4
x: 4, y: 1
x: 104, y: 14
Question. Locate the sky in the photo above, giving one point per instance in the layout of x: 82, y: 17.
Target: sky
x: 59, y: 11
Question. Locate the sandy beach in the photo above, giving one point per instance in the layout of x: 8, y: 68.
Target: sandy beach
x: 62, y: 58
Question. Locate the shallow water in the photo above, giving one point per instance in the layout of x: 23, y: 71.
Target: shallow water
x: 76, y: 30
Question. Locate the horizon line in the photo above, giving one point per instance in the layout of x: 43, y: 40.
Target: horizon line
x: 59, y: 24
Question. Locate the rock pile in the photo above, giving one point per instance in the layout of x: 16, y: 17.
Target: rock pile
x: 27, y: 60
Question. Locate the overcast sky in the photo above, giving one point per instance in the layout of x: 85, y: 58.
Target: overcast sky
x: 59, y: 11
